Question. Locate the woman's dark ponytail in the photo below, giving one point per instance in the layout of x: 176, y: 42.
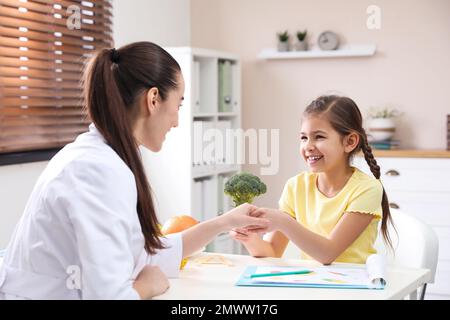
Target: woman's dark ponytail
x: 111, y: 90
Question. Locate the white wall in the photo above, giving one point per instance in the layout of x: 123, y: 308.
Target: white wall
x: 164, y: 22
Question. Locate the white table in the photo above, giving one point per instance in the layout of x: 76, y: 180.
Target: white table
x: 216, y: 282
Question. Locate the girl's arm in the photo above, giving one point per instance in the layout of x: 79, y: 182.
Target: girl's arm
x: 201, y: 234
x: 323, y: 249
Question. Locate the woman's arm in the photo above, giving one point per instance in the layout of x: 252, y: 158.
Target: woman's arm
x: 150, y: 282
x: 323, y: 249
x: 201, y: 234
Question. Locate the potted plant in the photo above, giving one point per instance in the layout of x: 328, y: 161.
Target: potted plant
x: 381, y: 124
x: 301, y: 44
x: 283, y: 41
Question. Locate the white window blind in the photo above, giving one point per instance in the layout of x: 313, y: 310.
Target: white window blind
x: 43, y: 48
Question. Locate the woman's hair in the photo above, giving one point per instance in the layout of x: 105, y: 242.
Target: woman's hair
x: 114, y: 80
x: 345, y: 117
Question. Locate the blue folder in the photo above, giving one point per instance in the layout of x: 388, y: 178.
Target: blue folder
x: 246, y: 280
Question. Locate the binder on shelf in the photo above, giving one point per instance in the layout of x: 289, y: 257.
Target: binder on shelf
x: 235, y: 87
x: 209, y: 199
x: 220, y: 194
x: 203, y: 149
x: 225, y: 87
x: 227, y: 202
x: 196, y: 108
x: 224, y: 202
x: 385, y: 145
x: 208, y: 146
x: 221, y: 145
x: 197, y: 149
x: 229, y: 160
x: 448, y: 132
x: 197, y: 200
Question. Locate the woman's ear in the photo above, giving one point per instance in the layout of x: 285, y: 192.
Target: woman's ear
x: 351, y: 141
x: 152, y: 100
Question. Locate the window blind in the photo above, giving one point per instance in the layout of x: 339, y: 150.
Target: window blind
x: 43, y: 47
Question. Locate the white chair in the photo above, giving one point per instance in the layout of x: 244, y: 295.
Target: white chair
x: 415, y: 243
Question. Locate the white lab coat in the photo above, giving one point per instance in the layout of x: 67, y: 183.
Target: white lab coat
x: 81, y: 216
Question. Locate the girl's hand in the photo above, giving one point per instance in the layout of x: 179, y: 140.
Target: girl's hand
x: 246, y: 216
x: 243, y: 235
x: 275, y: 217
x: 151, y: 282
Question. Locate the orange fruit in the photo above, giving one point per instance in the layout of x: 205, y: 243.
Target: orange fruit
x: 178, y: 224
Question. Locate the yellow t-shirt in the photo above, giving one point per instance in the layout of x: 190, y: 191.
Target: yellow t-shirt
x: 302, y: 200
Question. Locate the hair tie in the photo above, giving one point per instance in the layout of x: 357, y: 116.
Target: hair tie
x: 115, y: 58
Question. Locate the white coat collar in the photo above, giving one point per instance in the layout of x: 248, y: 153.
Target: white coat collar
x: 94, y: 131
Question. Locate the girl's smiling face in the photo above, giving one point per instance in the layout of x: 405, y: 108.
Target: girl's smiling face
x: 322, y: 147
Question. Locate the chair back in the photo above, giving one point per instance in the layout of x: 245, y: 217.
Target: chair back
x: 415, y: 243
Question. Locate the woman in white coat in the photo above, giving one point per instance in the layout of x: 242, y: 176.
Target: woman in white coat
x: 89, y: 230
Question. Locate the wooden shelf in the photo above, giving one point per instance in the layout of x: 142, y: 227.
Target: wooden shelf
x: 204, y: 115
x: 227, y: 170
x: 363, y: 50
x: 228, y: 114
x: 211, y: 173
x: 203, y: 175
x: 215, y: 114
x: 410, y: 153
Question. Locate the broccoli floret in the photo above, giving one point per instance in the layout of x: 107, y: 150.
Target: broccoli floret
x: 244, y: 187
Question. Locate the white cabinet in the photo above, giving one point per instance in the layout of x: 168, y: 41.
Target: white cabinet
x: 421, y: 187
x: 188, y: 174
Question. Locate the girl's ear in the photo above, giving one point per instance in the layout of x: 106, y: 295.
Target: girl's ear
x: 351, y: 141
x: 152, y: 100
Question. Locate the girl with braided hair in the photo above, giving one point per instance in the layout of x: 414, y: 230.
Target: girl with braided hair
x: 331, y: 212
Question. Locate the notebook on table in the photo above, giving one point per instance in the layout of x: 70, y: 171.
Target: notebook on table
x: 366, y: 276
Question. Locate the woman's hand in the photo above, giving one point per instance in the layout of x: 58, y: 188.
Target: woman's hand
x: 202, y: 233
x: 246, y: 216
x: 151, y: 282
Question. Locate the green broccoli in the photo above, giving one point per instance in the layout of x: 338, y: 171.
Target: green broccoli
x: 244, y: 187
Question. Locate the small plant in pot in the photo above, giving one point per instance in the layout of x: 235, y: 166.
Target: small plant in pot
x: 283, y: 41
x: 301, y: 44
x: 381, y: 124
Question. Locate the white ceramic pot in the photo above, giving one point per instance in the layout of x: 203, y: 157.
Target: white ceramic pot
x: 283, y: 46
x: 301, y: 46
x: 381, y: 129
